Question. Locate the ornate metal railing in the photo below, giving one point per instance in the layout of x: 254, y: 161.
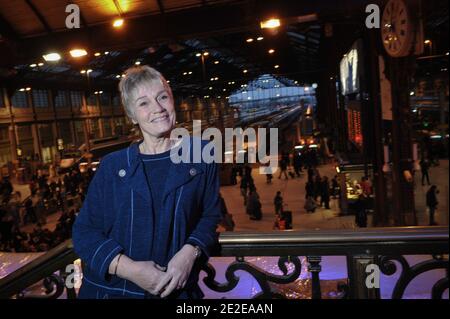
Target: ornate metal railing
x: 372, y: 246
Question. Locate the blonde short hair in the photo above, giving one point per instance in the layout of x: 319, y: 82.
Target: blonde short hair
x: 135, y: 77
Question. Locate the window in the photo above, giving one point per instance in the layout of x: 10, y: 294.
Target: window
x: 19, y: 99
x: 76, y: 98
x: 104, y: 99
x: 92, y: 100
x: 60, y: 99
x: 40, y: 98
x: 116, y: 101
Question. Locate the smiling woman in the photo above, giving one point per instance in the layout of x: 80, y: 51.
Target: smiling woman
x: 147, y: 225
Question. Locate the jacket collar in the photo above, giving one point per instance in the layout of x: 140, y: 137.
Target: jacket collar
x: 178, y: 175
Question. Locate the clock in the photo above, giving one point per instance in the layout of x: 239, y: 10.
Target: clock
x: 397, y: 28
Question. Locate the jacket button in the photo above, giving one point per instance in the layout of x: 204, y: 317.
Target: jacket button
x: 122, y: 173
x: 193, y: 171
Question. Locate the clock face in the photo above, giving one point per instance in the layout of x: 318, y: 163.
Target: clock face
x: 396, y: 28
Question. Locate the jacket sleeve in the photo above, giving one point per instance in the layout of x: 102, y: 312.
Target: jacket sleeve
x: 88, y: 234
x: 204, y: 234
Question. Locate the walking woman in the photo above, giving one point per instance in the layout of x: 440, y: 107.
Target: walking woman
x: 147, y: 223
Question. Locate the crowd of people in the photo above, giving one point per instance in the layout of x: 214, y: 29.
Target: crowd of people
x: 62, y: 195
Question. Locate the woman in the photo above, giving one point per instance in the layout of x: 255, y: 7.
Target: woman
x: 147, y: 223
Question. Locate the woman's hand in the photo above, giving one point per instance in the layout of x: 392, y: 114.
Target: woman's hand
x: 145, y: 274
x: 178, y: 270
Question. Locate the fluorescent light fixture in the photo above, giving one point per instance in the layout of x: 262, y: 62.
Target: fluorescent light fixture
x: 313, y: 146
x: 76, y: 53
x: 242, y: 151
x: 89, y: 71
x: 22, y: 89
x: 259, y: 38
x: 228, y: 153
x: 40, y: 64
x: 436, y: 137
x: 52, y: 57
x: 270, y: 24
x: 299, y: 147
x: 137, y: 62
x: 249, y: 40
x: 33, y: 65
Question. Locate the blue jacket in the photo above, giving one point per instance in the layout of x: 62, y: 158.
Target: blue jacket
x: 115, y: 219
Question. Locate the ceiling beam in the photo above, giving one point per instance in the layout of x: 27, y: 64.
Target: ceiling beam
x: 7, y: 31
x: 200, y: 22
x: 39, y: 15
x: 161, y: 6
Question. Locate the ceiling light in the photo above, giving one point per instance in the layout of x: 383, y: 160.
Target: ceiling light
x: 118, y: 76
x: 190, y: 72
x: 40, y: 64
x: 260, y: 38
x: 83, y: 71
x: 52, y: 57
x: 427, y: 41
x: 97, y: 53
x: 270, y: 24
x: 118, y: 23
x: 245, y: 71
x: 198, y: 54
x: 249, y: 40
x: 76, y: 53
x: 216, y: 78
x: 89, y: 71
x: 271, y: 51
x: 276, y: 66
x: 205, y: 53
x: 210, y: 87
x: 28, y: 89
x: 22, y: 89
x: 33, y: 65
x: 184, y: 73
x: 106, y: 52
x: 137, y: 62
x: 216, y: 62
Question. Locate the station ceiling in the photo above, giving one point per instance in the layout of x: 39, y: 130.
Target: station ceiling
x: 170, y: 34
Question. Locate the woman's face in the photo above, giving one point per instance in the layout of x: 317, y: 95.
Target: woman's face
x: 154, y: 111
